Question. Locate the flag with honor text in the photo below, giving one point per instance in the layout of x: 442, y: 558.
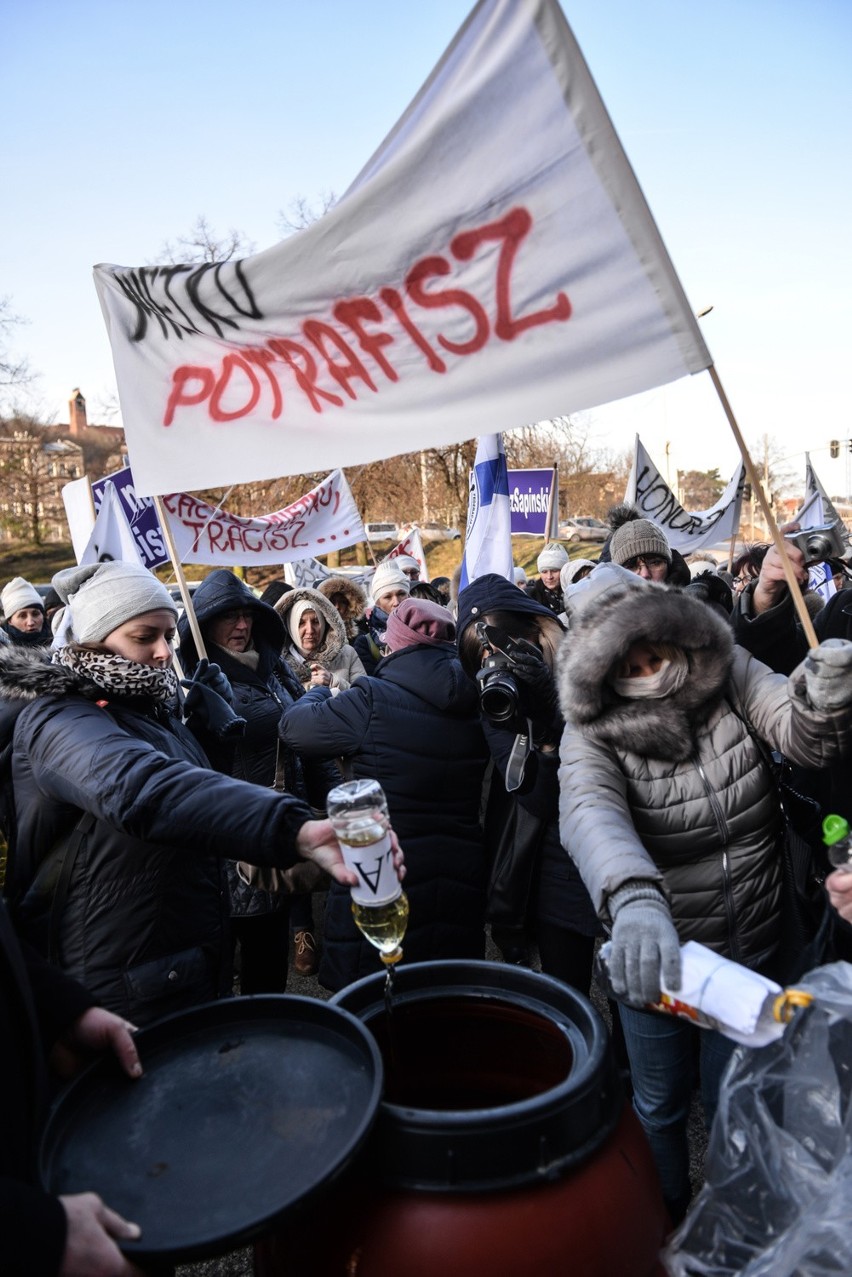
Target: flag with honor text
x: 685, y: 531
x: 493, y: 264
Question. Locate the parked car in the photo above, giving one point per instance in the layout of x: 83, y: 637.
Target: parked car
x: 383, y: 531
x: 432, y: 531
x: 584, y: 529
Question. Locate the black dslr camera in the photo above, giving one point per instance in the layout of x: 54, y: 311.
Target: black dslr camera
x: 817, y: 544
x: 501, y: 697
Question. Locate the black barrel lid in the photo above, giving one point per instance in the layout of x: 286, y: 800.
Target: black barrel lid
x: 247, y: 1107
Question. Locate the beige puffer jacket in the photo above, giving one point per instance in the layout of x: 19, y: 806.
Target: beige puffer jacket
x: 676, y: 790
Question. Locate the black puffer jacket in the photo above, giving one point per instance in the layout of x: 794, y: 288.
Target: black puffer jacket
x: 143, y: 922
x: 414, y: 727
x: 559, y: 895
x: 262, y: 693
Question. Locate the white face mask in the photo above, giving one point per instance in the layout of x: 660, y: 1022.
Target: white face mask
x: 669, y: 677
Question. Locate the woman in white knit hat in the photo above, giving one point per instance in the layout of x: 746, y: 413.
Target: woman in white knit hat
x: 547, y: 589
x: 120, y: 825
x: 388, y: 588
x: 24, y: 620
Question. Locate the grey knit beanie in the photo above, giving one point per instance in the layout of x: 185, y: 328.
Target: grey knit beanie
x: 553, y: 556
x: 102, y: 596
x: 638, y: 536
x: 19, y: 594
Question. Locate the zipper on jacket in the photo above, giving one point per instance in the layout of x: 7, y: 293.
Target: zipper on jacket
x: 727, y: 887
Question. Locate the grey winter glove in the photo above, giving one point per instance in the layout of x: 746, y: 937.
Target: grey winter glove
x: 645, y: 946
x: 828, y: 675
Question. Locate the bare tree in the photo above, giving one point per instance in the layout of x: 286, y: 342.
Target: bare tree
x: 203, y: 244
x: 14, y: 370
x: 302, y: 214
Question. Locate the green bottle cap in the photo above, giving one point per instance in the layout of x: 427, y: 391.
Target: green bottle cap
x: 834, y: 828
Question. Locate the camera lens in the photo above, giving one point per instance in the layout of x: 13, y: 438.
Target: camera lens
x: 498, y: 697
x: 819, y: 547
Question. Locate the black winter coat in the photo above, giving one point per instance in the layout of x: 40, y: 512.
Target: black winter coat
x: 143, y: 926
x: 37, y: 1003
x: 414, y: 727
x: 559, y: 896
x: 261, y: 696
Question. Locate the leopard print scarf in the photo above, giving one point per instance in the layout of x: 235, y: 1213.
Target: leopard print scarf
x: 117, y: 675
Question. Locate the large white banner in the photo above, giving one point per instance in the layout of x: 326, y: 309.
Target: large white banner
x: 494, y: 264
x: 686, y: 532
x: 325, y: 519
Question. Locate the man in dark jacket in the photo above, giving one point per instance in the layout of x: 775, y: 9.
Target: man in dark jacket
x: 39, y: 1006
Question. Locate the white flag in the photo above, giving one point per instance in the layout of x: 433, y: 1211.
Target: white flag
x: 686, y: 532
x: 412, y: 544
x: 817, y: 509
x: 494, y: 263
x: 488, y: 544
x: 112, y: 537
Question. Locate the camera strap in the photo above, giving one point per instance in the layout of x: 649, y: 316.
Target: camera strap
x: 517, y: 761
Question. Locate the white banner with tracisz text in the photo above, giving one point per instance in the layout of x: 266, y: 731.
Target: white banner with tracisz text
x: 325, y: 519
x: 685, y: 531
x: 493, y: 264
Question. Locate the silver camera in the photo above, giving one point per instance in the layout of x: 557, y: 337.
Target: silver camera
x: 818, y: 544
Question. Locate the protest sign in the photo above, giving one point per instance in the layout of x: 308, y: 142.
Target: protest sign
x: 324, y: 519
x: 494, y: 262
x: 686, y: 532
x: 529, y: 501
x: 140, y: 514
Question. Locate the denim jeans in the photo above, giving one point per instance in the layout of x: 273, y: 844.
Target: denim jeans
x: 661, y: 1050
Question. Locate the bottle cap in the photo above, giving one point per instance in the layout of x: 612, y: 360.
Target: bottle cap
x: 834, y: 828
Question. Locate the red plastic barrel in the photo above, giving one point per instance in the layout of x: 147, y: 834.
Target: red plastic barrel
x: 503, y: 1145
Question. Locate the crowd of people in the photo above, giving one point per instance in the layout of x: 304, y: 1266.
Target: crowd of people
x: 581, y: 755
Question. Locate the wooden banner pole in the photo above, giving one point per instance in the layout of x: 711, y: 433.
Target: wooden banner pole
x: 180, y: 578
x: 757, y: 490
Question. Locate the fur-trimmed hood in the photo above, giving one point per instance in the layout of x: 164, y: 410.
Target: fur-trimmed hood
x: 601, y: 630
x: 354, y: 599
x: 27, y: 672
x: 335, y: 632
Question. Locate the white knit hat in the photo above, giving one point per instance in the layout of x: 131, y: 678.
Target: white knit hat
x: 405, y: 562
x: 552, y: 556
x: 568, y: 572
x: 102, y: 596
x: 19, y: 594
x: 520, y: 576
x: 388, y: 576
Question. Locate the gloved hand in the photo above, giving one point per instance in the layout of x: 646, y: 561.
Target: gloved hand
x: 710, y: 588
x: 209, y: 705
x: 828, y: 675
x: 542, y: 700
x: 211, y: 675
x: 645, y: 946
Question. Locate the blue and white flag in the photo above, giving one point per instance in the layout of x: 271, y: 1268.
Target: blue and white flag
x: 488, y: 544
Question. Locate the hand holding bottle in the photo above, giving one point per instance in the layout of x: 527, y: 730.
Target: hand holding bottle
x: 358, y: 813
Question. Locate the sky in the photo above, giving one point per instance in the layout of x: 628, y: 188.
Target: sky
x: 125, y: 122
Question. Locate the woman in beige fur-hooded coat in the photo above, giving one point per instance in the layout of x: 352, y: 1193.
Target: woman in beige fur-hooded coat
x: 331, y: 661
x: 670, y: 812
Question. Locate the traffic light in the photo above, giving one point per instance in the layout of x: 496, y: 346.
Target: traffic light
x: 834, y: 449
x: 849, y: 441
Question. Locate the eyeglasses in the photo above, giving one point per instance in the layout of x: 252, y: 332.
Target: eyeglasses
x: 238, y: 614
x: 649, y: 561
